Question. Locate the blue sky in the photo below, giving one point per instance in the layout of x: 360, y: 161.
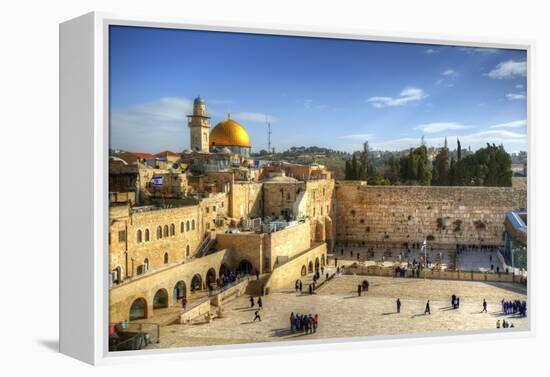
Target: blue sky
x: 324, y: 92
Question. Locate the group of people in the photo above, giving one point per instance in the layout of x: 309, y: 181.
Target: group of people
x: 505, y: 324
x: 257, y: 312
x: 514, y: 307
x: 305, y: 323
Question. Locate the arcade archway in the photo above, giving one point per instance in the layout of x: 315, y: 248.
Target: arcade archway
x: 138, y: 310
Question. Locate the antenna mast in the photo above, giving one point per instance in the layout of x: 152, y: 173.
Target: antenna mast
x: 268, y: 135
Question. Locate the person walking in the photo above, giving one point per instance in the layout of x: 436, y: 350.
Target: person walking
x: 335, y: 262
x: 427, y: 310
x: 251, y: 301
x: 359, y: 289
x: 260, y: 305
x: 183, y: 302
x: 398, y: 303
x: 301, y: 286
x: 366, y: 285
x: 297, y: 286
x: 292, y: 323
x: 257, y: 316
x: 484, y: 306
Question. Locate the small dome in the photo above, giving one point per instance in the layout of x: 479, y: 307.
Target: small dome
x: 229, y: 133
x: 198, y: 101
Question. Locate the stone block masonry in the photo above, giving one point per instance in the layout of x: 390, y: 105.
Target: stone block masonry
x: 443, y: 215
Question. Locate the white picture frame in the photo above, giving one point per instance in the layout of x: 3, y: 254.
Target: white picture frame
x: 84, y: 187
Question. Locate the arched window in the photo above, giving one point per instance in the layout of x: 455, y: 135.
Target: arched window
x: 172, y: 230
x: 166, y: 231
x: 139, y: 236
x: 187, y: 250
x: 187, y: 226
x: 146, y: 235
x: 193, y: 224
x: 159, y: 232
x: 182, y: 227
x: 165, y: 258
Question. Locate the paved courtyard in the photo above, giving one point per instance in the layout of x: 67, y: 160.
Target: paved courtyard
x: 343, y: 314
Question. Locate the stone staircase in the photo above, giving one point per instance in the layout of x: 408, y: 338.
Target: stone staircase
x: 254, y: 287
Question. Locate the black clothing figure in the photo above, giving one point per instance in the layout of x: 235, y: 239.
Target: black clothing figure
x: 260, y: 305
x: 297, y: 286
x: 335, y: 262
x: 484, y: 306
x: 366, y: 285
x: 310, y: 289
x: 251, y: 301
x: 300, y: 286
x: 457, y: 302
x: 359, y: 289
x: 427, y: 310
x: 322, y: 270
x: 398, y: 303
x: 342, y: 251
x: 453, y: 301
x: 257, y: 316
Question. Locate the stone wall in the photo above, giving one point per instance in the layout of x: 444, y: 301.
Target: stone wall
x: 286, y: 274
x: 247, y: 246
x: 245, y: 200
x: 445, y: 215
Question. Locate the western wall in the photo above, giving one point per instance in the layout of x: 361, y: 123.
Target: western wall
x: 443, y: 215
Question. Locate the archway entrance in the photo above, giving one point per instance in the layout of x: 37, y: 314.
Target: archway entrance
x: 211, y: 278
x: 196, y: 283
x: 138, y: 310
x: 224, y: 270
x: 304, y: 271
x: 245, y: 267
x: 161, y: 299
x: 310, y: 267
x: 180, y: 290
x: 317, y: 264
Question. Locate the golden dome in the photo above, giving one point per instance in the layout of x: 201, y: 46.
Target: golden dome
x: 229, y: 133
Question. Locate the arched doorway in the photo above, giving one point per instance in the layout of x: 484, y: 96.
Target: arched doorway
x: 317, y: 264
x: 138, y: 310
x: 245, y: 267
x: 211, y: 278
x: 196, y: 283
x: 180, y: 290
x: 310, y: 267
x: 224, y: 270
x: 161, y: 299
x: 304, y: 271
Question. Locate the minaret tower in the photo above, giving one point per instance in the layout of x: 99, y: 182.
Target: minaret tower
x: 199, y: 125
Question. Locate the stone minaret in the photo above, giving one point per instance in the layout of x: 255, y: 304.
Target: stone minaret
x: 199, y: 125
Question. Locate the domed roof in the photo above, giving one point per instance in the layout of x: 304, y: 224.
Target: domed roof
x: 229, y: 133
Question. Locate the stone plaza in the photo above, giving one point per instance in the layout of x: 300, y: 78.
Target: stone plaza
x: 344, y: 314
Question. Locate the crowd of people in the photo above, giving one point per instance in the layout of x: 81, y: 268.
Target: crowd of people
x: 514, y: 307
x: 305, y: 323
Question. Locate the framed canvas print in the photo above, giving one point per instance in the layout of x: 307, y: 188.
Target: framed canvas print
x: 225, y: 187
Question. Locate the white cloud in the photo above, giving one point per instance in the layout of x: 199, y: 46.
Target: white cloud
x: 431, y: 128
x: 515, y: 96
x: 449, y: 72
x: 151, y: 126
x: 478, y: 50
x: 410, y: 94
x: 509, y: 69
x: 512, y: 141
x: 430, y: 51
x: 519, y: 86
x: 514, y: 124
x: 357, y: 136
x: 253, y: 117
